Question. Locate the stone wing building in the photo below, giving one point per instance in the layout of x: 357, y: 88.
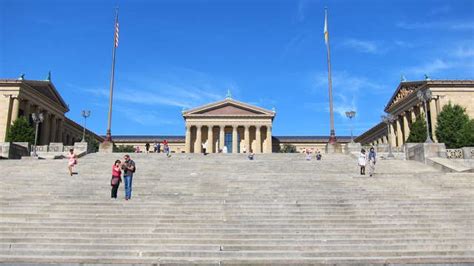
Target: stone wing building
x: 20, y: 97
x: 228, y: 125
x: 405, y: 106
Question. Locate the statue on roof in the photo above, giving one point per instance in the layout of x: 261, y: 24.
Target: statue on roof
x: 427, y: 77
x: 403, y: 78
x: 229, y: 95
x: 22, y: 76
x: 49, y: 76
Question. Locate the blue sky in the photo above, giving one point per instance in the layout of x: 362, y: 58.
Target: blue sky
x: 182, y: 54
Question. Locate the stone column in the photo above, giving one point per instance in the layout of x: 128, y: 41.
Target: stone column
x: 406, y: 128
x: 187, y: 141
x: 210, y: 139
x: 61, y: 130
x: 221, y: 137
x: 399, y: 132
x: 15, y: 109
x: 198, y: 143
x: 53, y: 129
x: 392, y: 137
x: 269, y: 140
x: 412, y: 115
x: 258, y: 140
x: 247, y: 138
x: 234, y: 139
x: 434, y: 118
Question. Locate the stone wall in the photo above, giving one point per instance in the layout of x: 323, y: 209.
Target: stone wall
x: 11, y: 150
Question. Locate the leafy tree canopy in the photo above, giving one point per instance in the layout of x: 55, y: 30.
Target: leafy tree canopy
x: 417, y: 131
x: 451, y: 120
x: 21, y: 131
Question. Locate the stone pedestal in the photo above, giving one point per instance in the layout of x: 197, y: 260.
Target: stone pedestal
x: 422, y: 151
x: 353, y: 147
x: 106, y: 147
x: 333, y: 148
x: 56, y: 147
x: 382, y: 147
x: 80, y: 147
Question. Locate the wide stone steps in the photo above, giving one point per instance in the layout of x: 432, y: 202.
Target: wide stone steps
x: 225, y: 210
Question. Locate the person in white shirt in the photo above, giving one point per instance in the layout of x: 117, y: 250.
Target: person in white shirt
x: 362, y: 161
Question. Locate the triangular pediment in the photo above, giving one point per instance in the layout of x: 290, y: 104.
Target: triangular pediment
x: 47, y: 89
x: 404, y: 90
x: 228, y: 107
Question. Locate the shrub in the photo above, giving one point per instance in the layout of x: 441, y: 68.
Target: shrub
x: 124, y: 148
x: 21, y: 131
x: 417, y: 131
x: 451, y: 120
x: 288, y: 148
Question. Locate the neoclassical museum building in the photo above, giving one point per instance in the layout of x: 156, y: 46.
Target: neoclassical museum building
x: 21, y: 97
x: 405, y: 106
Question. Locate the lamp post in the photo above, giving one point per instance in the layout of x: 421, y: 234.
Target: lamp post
x: 37, y: 119
x: 351, y: 114
x: 85, y: 114
x: 425, y: 96
x: 388, y: 119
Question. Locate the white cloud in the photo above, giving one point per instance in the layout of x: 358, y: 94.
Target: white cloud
x: 465, y: 52
x: 430, y: 67
x: 362, y: 46
x: 301, y: 12
x: 344, y: 81
x: 440, y: 25
x: 440, y: 10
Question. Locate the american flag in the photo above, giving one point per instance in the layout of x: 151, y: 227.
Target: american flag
x: 116, y: 35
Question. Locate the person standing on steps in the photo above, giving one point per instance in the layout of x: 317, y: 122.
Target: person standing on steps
x: 71, y: 162
x: 308, y: 154
x: 372, y: 160
x: 116, y: 178
x: 158, y: 147
x: 362, y: 160
x: 204, y: 147
x: 128, y: 168
x: 147, y: 147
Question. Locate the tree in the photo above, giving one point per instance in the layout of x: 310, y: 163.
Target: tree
x: 417, y: 131
x: 451, y: 120
x: 467, y: 134
x: 288, y: 148
x: 92, y: 143
x: 124, y: 148
x: 21, y: 131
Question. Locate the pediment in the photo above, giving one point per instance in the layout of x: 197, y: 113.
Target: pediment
x: 404, y: 90
x: 228, y: 107
x: 47, y: 89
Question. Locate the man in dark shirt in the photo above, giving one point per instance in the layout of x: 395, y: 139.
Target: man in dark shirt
x: 128, y: 168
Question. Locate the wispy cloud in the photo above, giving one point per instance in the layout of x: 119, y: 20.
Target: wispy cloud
x: 301, y: 11
x: 440, y: 10
x: 362, y: 46
x: 465, y: 52
x: 184, y: 90
x: 430, y: 67
x: 146, y: 118
x: 343, y: 80
x: 437, y: 25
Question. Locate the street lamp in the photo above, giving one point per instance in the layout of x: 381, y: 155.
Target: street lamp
x: 350, y: 115
x: 425, y: 96
x: 37, y: 119
x: 388, y: 119
x: 85, y: 114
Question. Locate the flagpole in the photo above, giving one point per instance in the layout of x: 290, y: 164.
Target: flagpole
x: 332, y: 136
x: 108, y: 136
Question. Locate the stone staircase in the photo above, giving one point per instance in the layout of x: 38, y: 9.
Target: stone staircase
x: 223, y: 209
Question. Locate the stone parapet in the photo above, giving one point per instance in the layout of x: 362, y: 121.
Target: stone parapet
x: 9, y: 150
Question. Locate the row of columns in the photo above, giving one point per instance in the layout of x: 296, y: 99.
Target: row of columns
x: 400, y: 128
x: 52, y: 127
x: 267, y: 148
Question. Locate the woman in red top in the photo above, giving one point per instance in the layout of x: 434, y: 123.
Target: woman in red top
x: 116, y: 179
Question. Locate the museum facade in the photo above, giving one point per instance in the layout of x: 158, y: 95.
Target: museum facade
x: 405, y: 106
x: 22, y: 98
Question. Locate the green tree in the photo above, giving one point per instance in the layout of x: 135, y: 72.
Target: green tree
x: 417, y: 131
x: 288, y: 148
x: 124, y: 148
x: 92, y: 143
x: 467, y: 134
x: 21, y: 131
x: 451, y: 120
